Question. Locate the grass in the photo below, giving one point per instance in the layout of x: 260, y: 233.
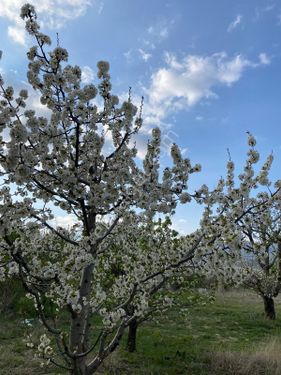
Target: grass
x: 265, y: 359
x: 230, y: 336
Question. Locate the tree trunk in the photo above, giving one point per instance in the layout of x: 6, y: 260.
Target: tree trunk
x: 80, y: 324
x: 79, y: 368
x: 269, y: 308
x: 132, y: 336
x: 79, y: 328
x: 220, y: 286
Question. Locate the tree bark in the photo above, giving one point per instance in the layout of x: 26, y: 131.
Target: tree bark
x: 132, y: 336
x: 79, y: 324
x: 79, y: 329
x: 78, y: 369
x: 269, y: 308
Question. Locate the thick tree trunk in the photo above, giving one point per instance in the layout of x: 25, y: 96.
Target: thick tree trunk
x: 269, y: 308
x: 80, y: 325
x: 132, y: 336
x: 79, y: 329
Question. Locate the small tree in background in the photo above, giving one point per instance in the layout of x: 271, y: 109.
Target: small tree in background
x: 262, y: 247
x: 248, y: 249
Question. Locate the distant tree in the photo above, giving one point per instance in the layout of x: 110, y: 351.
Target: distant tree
x: 82, y: 160
x: 262, y: 250
x: 248, y: 249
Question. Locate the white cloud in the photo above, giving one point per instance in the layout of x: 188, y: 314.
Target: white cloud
x: 159, y: 31
x: 141, y: 142
x: 181, y: 84
x: 17, y: 34
x: 234, y: 23
x: 144, y: 55
x: 87, y: 75
x: 64, y: 221
x: 264, y: 59
x: 33, y: 102
x: 53, y: 14
x: 184, y: 83
x: 183, y: 226
x: 153, y: 115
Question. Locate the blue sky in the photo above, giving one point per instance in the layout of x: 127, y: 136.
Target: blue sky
x: 209, y: 70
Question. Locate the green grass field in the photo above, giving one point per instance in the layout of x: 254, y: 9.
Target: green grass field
x: 229, y: 336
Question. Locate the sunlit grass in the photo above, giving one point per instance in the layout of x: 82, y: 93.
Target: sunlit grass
x: 206, y: 341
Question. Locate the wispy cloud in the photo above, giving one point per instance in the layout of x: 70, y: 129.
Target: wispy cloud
x: 161, y: 32
x: 158, y: 32
x: 261, y: 11
x: 144, y: 55
x: 233, y: 25
x: 100, y: 7
x: 135, y: 54
x: 54, y: 14
x: 128, y: 55
x: 153, y: 35
x: 264, y: 59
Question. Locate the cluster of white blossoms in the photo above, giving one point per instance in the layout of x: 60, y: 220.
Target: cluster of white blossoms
x: 44, y: 347
x: 143, y: 259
